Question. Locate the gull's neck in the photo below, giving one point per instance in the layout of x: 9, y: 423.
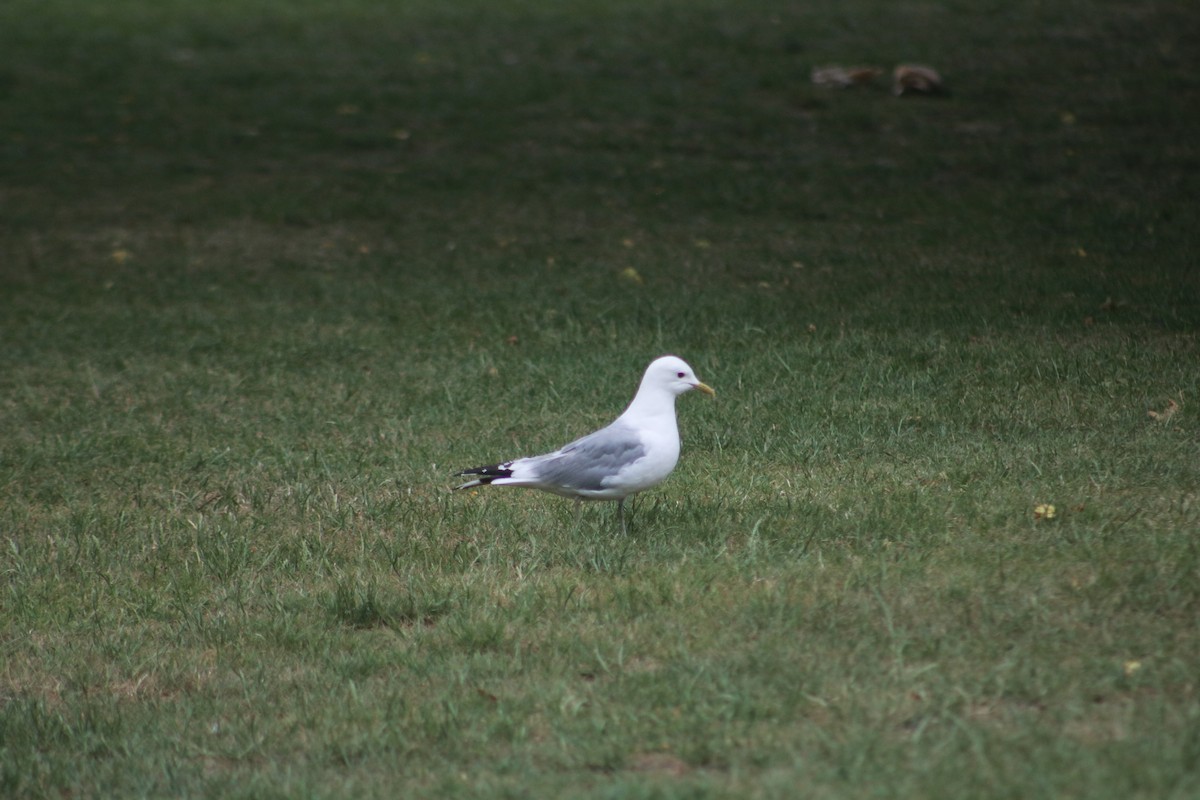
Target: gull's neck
x: 651, y: 401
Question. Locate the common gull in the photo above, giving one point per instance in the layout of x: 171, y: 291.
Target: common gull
x: 634, y: 453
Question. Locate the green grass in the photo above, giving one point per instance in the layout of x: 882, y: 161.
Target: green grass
x: 271, y: 272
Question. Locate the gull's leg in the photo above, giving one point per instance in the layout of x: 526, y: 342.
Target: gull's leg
x: 621, y: 515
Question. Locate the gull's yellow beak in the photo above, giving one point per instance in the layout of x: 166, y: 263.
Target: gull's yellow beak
x: 704, y: 387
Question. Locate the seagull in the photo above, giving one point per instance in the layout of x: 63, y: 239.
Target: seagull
x: 634, y: 453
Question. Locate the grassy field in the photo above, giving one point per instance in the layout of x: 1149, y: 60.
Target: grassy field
x: 271, y: 272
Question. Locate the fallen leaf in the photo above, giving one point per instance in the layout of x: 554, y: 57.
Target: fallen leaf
x: 916, y: 79
x: 631, y: 275
x: 840, y: 77
x: 1165, y: 414
x: 1044, y: 511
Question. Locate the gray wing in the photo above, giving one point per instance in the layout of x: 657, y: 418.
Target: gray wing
x: 586, y: 463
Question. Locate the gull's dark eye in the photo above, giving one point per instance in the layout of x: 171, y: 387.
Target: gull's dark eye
x: 680, y: 374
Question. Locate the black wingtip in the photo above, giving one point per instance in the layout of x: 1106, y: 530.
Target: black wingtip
x: 489, y: 473
x: 486, y: 475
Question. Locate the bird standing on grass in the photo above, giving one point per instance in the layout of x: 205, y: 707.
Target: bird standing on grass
x: 636, y: 452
